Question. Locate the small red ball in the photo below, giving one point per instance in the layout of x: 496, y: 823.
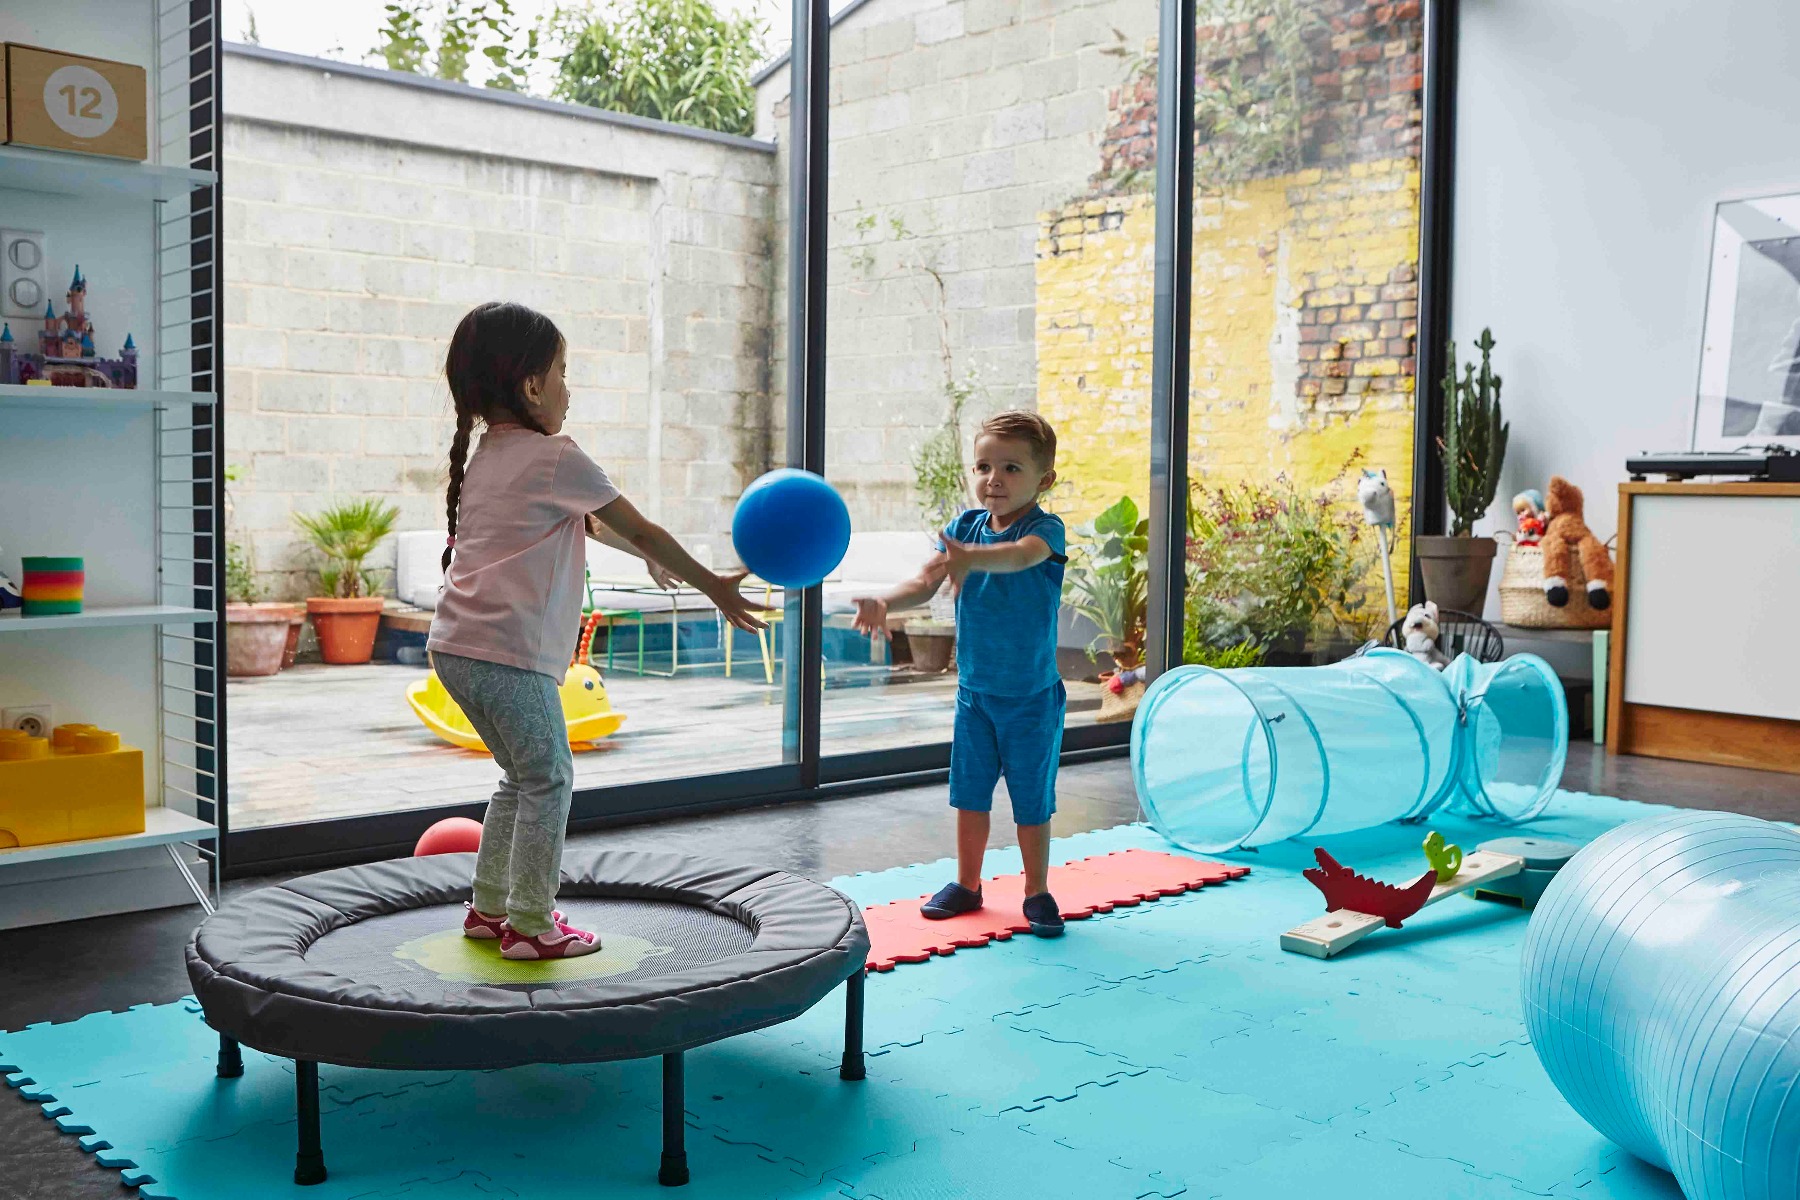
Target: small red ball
x: 452, y: 835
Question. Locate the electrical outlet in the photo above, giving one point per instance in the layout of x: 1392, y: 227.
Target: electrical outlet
x: 24, y: 277
x: 35, y: 719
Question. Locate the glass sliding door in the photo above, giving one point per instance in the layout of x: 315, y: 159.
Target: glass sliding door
x: 984, y: 255
x: 352, y: 248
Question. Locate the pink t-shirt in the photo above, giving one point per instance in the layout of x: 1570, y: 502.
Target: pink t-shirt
x: 514, y: 590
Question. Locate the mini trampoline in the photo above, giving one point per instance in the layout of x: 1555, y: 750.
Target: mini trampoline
x: 367, y: 967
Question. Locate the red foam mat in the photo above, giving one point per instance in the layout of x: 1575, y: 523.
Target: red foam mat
x: 897, y: 933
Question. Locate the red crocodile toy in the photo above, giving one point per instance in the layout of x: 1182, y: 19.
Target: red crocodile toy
x: 1344, y: 888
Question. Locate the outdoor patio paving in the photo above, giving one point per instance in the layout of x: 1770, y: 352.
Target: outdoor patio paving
x: 317, y: 742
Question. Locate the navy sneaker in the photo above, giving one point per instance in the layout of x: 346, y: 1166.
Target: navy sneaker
x: 951, y: 900
x: 1042, y: 913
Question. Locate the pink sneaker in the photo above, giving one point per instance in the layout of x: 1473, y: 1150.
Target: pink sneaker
x: 486, y: 929
x: 563, y: 941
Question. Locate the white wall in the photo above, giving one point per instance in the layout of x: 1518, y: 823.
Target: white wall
x: 1593, y: 139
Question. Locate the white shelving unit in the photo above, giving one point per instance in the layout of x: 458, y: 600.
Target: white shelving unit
x: 125, y: 478
x: 113, y: 615
x: 26, y: 170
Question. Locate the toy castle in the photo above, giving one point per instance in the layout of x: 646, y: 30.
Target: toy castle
x: 66, y: 356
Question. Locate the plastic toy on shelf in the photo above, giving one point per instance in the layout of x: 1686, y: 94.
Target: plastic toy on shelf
x: 79, y: 782
x: 66, y: 355
x: 53, y: 586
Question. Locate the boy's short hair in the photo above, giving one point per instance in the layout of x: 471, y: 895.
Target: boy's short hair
x: 1024, y: 426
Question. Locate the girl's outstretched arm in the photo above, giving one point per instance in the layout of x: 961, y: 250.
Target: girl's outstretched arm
x: 653, y: 544
x: 660, y: 575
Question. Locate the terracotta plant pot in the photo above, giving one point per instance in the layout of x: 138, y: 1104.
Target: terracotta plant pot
x: 1456, y: 570
x: 254, y: 637
x: 346, y: 628
x: 933, y: 645
x: 296, y: 623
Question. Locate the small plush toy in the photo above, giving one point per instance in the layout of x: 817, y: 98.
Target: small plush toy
x: 1377, y: 500
x: 1420, y: 634
x: 1567, y: 533
x: 1528, y: 506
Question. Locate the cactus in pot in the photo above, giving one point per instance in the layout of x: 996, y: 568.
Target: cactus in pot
x: 1473, y: 449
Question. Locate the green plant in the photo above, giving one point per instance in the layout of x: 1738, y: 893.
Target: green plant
x: 241, y: 586
x: 1108, y: 581
x: 345, y: 534
x: 1474, y: 443
x: 1269, y: 564
x: 1249, y: 115
x: 940, y: 477
x: 1220, y: 658
x: 673, y: 60
x: 461, y: 29
x: 403, y: 46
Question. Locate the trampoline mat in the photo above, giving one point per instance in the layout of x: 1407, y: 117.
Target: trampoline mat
x: 422, y: 951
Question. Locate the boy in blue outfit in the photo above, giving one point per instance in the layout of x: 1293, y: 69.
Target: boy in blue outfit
x: 1004, y: 562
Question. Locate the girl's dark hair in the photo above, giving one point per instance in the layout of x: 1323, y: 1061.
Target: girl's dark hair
x: 495, y: 349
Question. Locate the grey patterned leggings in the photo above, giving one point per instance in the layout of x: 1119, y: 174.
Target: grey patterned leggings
x: 519, y: 715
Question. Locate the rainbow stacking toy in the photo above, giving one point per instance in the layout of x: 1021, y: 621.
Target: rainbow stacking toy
x: 78, y: 783
x: 52, y: 586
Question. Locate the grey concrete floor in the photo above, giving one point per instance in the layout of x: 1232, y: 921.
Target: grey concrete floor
x: 58, y: 973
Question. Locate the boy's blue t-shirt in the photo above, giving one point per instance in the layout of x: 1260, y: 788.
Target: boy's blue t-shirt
x: 1006, y: 624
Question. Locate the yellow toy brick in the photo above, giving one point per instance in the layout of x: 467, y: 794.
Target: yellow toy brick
x: 78, y: 783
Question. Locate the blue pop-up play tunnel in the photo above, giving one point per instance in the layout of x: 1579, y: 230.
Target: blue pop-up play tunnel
x: 1246, y: 757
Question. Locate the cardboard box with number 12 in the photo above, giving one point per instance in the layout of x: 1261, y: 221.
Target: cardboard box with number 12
x: 59, y: 101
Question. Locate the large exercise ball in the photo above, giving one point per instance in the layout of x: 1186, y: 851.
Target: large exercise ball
x: 1662, y: 995
x: 791, y: 528
x: 452, y: 835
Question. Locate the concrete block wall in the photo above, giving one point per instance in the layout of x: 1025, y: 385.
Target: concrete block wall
x: 366, y: 212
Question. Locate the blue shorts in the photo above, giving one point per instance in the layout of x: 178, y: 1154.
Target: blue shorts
x: 1019, y: 737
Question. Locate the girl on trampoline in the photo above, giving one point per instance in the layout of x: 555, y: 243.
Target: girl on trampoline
x: 514, y: 566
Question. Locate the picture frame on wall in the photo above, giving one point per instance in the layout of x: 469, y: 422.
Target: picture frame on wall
x: 1749, y: 387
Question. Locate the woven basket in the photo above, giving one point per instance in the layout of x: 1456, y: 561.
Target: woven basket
x: 1120, y: 707
x: 1522, y: 602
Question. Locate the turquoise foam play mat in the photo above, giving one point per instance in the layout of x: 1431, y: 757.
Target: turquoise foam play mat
x: 1168, y: 1049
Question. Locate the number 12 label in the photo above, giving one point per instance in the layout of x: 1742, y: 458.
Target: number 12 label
x: 80, y: 101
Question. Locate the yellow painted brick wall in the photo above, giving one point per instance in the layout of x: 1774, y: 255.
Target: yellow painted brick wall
x: 1305, y: 304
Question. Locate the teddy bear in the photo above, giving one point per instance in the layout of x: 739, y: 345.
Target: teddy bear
x: 1420, y: 633
x: 1567, y: 532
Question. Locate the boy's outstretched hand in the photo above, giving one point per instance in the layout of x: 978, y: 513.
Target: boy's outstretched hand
x: 958, y: 562
x: 740, y: 612
x: 871, y: 616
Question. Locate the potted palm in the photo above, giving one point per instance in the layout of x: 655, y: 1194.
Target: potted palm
x: 1456, y: 568
x: 347, y: 615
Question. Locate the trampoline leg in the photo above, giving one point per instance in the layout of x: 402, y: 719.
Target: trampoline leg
x: 309, y: 1163
x: 231, y: 1059
x: 674, y: 1170
x: 852, y: 1068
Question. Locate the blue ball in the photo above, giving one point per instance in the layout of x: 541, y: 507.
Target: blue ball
x: 791, y: 528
